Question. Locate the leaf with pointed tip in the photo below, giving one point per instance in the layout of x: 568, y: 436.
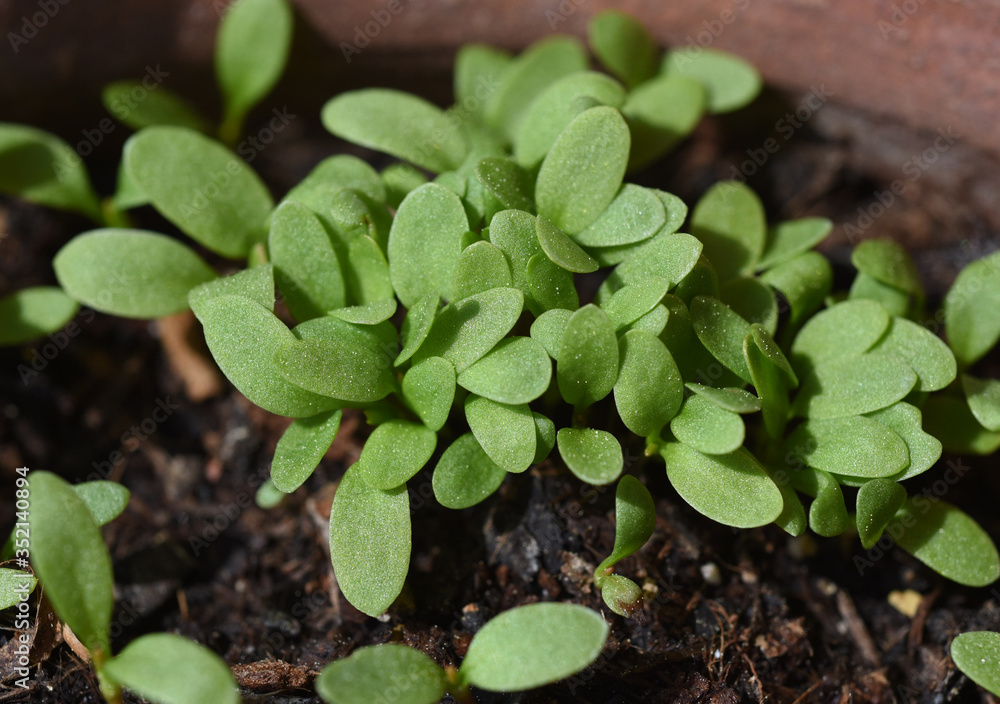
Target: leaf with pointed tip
x: 306, y: 267
x: 556, y: 107
x: 594, y: 456
x: 550, y: 286
x: 545, y: 436
x: 729, y: 219
x: 948, y: 541
x: 731, y: 399
x: 623, y: 46
x: 671, y: 257
x: 635, y: 519
x: 905, y: 420
x: 722, y: 331
x: 846, y: 329
x: 923, y: 351
x: 156, y: 107
x: 530, y: 646
x: 131, y: 273
x: 478, y: 69
x: 394, y: 452
x: 425, y: 243
x: 972, y: 310
x: 804, y: 280
x: 429, y: 390
x: 591, y: 153
x: 527, y: 76
x: 855, y: 446
x: 301, y: 448
x: 465, y: 331
x: 788, y: 239
x: 848, y: 386
x: 771, y: 384
x: 105, y: 500
x: 588, y: 357
x: 949, y: 419
x: 634, y: 300
x: 517, y: 370
x: 506, y: 180
x: 69, y: 556
x: 563, y: 251
x: 730, y: 81
x: 200, y: 186
x: 634, y: 215
x: 33, y: 312
x: 889, y: 263
x: 877, y: 503
x: 506, y: 432
x: 648, y: 392
x: 399, y: 124
x: 732, y: 489
x: 548, y: 329
x: 976, y: 654
x: 14, y: 584
x: 480, y: 267
x: 43, y: 169
x: 707, y: 428
x: 828, y: 511
x: 417, y: 324
x: 367, y: 314
x: 465, y: 475
x: 660, y: 113
x: 754, y: 301
x: 894, y: 300
x: 983, y: 396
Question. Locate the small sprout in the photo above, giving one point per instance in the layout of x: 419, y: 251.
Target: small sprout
x: 977, y: 654
x: 731, y: 399
x: 847, y: 329
x: 621, y: 594
x: 888, y: 263
x: 635, y: 519
x: 418, y: 322
x: 268, y: 495
x: 670, y: 256
x: 549, y: 285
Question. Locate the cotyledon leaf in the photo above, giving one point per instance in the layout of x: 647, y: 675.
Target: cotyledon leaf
x: 635, y: 519
x: 948, y: 418
x: 517, y: 370
x: 730, y: 81
x: 648, y: 392
x: 507, y: 181
x: 634, y: 300
x: 972, y: 310
x: 562, y: 250
x: 548, y: 328
x: 671, y: 257
x: 369, y: 542
x: 804, y: 280
x: 722, y: 331
x: 729, y: 220
x: 924, y: 352
x: 506, y: 432
x: 828, y: 515
x: 754, y: 301
x: 13, y: 585
x: 707, y: 428
x: 788, y: 239
x: 549, y: 286
x: 588, y: 357
x: 255, y: 283
x: 33, y: 312
x: 976, y: 654
x: 416, y: 325
x: 624, y: 46
x: 594, y: 456
x: 889, y: 263
x: 894, y: 300
x: 371, y: 313
x: 378, y: 672
x: 847, y: 386
x: 732, y: 489
x: 394, y: 452
x: 306, y: 267
x: 983, y: 396
x: 429, y: 390
x: 157, y: 107
x: 877, y: 503
x: 480, y: 267
x: 337, y: 367
x: 465, y: 475
x: 660, y: 113
x: 856, y: 446
x: 478, y: 68
x: 905, y: 420
x: 635, y: 214
x: 843, y: 330
x: 301, y: 448
x: 771, y: 384
x: 104, y: 499
x: 545, y: 436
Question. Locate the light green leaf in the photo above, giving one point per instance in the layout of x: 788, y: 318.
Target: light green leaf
x: 506, y: 432
x: 894, y: 300
x: 787, y: 240
x: 429, y: 390
x: 846, y: 329
x: 301, y: 448
x: 729, y: 219
x: 648, y: 392
x: 976, y: 654
x: 983, y: 396
x: 131, y: 273
x: 306, y: 267
x: 766, y: 344
x: 804, y: 280
x: 732, y: 489
x: 653, y: 322
x: 563, y: 251
x: 333, y: 175
x: 972, y: 310
x: 828, y: 512
x: 550, y: 113
x: 753, y: 301
x: 730, y: 399
x: 369, y: 542
x: 730, y: 81
x: 33, y: 312
x: 528, y: 76
x: 533, y: 645
x: 399, y: 124
x: 127, y: 194
x: 550, y: 286
x: 69, y: 556
x: 399, y: 179
x: 14, y: 584
x: 150, y: 666
x: 465, y: 475
x: 621, y: 595
x: 548, y: 329
x: 849, y: 386
x: 889, y: 263
x: 105, y: 500
x: 513, y: 231
x: 877, y: 503
x: 856, y: 446
x: 43, y: 169
x: 517, y: 370
x: 480, y: 267
x: 465, y: 331
x: 394, y: 452
x: 545, y: 437
x: 905, y: 420
x: 949, y: 419
x: 367, y: 314
x: 660, y: 113
x: 700, y: 281
x: 268, y: 496
x: 634, y: 300
x: 635, y: 519
x: 588, y: 358
x: 478, y: 70
x: 156, y: 106
x: 635, y: 214
x: 506, y: 180
x: 594, y: 456
x: 923, y: 351
x: 793, y: 519
x: 591, y: 153
x: 202, y: 187
x: 382, y: 672
x: 337, y: 367
x: 255, y: 283
x: 418, y: 322
x: 425, y: 243
x: 251, y: 50
x: 707, y: 428
x: 244, y: 338
x: 722, y: 331
x: 947, y: 540
x: 671, y: 257
x: 623, y: 46
x: 771, y: 383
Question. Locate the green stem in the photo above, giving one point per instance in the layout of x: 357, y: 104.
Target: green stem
x: 110, y: 690
x: 457, y: 686
x: 230, y: 129
x: 113, y: 217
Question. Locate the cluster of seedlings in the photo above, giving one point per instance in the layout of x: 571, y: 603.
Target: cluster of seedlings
x: 499, y: 296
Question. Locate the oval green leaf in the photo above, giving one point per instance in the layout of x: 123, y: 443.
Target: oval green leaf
x: 634, y: 215
x: 505, y: 432
x: 972, y: 310
x: 588, y: 357
x: 33, y: 312
x: 848, y: 386
x: 855, y: 446
x: 730, y: 81
x: 923, y: 351
x: 105, y: 500
x: 877, y: 503
x: 301, y: 448
x: 976, y: 654
x: 394, y: 452
x: 563, y: 251
x: 382, y: 672
x: 707, y: 428
x: 465, y: 475
x: 306, y: 267
x: 649, y: 391
x: 594, y: 456
x: 517, y: 370
x: 429, y: 390
x: 791, y: 238
x: 729, y: 220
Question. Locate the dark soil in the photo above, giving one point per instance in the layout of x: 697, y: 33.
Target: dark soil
x: 730, y: 616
